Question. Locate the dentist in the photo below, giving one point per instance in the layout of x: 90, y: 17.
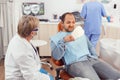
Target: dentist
x: 22, y: 61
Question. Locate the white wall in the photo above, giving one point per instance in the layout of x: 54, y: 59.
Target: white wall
x: 59, y: 7
x: 51, y: 7
x: 114, y: 12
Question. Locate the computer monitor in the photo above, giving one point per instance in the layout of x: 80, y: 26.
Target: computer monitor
x: 34, y: 9
x: 77, y: 16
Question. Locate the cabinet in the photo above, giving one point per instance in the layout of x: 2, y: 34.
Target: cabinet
x: 46, y: 30
x: 112, y: 30
x: 109, y: 30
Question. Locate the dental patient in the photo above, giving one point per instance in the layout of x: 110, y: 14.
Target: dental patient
x: 80, y: 58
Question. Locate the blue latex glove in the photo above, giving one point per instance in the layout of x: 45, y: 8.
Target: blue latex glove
x: 45, y: 72
x: 108, y: 18
x: 51, y: 77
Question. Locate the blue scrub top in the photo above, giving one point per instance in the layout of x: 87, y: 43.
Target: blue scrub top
x: 92, y: 12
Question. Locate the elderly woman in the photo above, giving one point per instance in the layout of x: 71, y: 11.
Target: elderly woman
x: 22, y: 60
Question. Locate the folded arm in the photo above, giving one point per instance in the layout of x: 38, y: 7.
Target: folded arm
x: 58, y: 50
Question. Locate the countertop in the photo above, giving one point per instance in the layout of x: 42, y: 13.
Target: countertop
x: 42, y: 22
x: 111, y: 24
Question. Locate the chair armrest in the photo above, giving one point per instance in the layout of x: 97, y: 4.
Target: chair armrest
x: 58, y: 72
x: 48, y: 64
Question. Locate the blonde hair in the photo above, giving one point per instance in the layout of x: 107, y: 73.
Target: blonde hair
x: 26, y: 24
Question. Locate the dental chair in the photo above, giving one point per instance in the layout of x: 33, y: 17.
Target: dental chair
x: 60, y: 71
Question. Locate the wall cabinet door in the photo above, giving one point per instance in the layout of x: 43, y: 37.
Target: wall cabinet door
x: 45, y: 32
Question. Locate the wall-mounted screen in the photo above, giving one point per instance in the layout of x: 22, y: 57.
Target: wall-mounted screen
x: 33, y: 9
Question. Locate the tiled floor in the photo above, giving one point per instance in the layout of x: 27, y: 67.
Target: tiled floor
x: 44, y: 66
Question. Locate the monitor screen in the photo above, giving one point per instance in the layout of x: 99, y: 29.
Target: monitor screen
x: 33, y: 9
x: 77, y: 16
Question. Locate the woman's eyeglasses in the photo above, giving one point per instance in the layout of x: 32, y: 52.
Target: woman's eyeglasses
x: 35, y: 29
